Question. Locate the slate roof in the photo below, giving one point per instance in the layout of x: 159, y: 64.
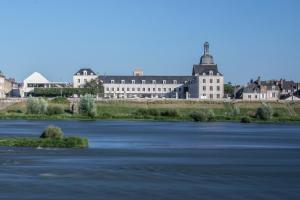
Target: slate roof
x: 200, y: 69
x: 89, y: 71
x: 148, y: 79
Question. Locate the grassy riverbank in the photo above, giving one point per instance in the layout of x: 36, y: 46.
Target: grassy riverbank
x: 162, y: 110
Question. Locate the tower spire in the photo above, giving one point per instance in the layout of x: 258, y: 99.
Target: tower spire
x: 206, y: 48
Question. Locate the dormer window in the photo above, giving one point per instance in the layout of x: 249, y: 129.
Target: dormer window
x: 203, y: 74
x: 143, y: 81
x: 112, y: 81
x: 164, y: 81
x: 85, y: 72
x: 122, y: 81
x: 132, y: 81
x: 211, y: 72
x: 92, y: 73
x: 218, y: 74
x: 174, y: 81
x: 153, y: 81
x: 78, y: 73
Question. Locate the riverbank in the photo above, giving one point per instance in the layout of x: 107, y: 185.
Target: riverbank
x: 163, y: 110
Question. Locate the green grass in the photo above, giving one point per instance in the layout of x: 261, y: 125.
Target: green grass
x: 129, y: 110
x: 66, y: 142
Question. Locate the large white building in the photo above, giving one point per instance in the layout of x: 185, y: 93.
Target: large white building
x: 37, y: 80
x: 206, y: 82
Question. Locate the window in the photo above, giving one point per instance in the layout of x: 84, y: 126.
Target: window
x: 218, y: 74
x: 159, y: 89
x: 112, y: 81
x: 92, y: 73
x: 133, y: 89
x: 149, y: 89
x: 139, y: 89
x: 123, y: 89
x: 122, y: 81
x: 132, y: 81
x: 204, y: 81
x: 218, y: 88
x: 153, y: 81
x: 85, y: 81
x: 78, y: 80
x: 203, y: 74
x: 107, y: 89
x: 143, y: 81
x: 204, y: 88
x: 78, y: 74
x: 128, y: 89
x: 210, y: 80
x: 174, y: 81
x: 218, y: 96
x: 249, y: 96
x: 211, y: 96
x: 165, y: 89
x: 85, y: 72
x: 153, y: 89
x: 211, y: 72
x: 179, y: 89
x: 118, y: 89
x: 164, y: 81
x: 170, y: 89
x: 256, y: 96
x: 144, y: 89
x: 112, y: 89
x: 218, y: 80
x: 211, y: 88
x: 204, y: 95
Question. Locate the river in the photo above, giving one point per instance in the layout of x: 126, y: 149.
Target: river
x: 141, y: 160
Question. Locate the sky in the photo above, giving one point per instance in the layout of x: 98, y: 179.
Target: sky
x: 248, y: 38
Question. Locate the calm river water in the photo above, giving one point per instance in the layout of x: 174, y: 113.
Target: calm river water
x: 154, y: 160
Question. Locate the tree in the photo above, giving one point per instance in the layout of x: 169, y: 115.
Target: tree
x: 87, y: 105
x: 95, y: 84
x: 229, y: 89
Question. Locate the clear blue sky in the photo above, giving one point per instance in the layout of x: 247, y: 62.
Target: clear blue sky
x: 57, y: 37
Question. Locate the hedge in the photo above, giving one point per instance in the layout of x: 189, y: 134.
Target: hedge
x: 66, y: 92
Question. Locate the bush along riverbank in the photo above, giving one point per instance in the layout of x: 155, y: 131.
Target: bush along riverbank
x: 51, y: 137
x: 164, y: 110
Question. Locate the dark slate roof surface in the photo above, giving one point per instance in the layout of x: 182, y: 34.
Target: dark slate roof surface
x: 200, y: 69
x: 89, y: 71
x: 148, y: 79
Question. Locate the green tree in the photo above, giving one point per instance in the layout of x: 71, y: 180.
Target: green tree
x: 229, y: 89
x: 87, y: 105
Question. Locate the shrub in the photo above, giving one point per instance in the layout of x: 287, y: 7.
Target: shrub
x: 203, y: 115
x: 199, y: 116
x: 55, y: 110
x: 264, y: 112
x: 245, y: 119
x: 52, y: 132
x: 210, y: 115
x: 60, y: 100
x: 36, y: 105
x: 276, y: 114
x: 87, y: 106
x: 235, y: 110
x: 170, y: 113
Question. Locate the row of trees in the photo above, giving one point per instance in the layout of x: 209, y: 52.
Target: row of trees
x: 93, y: 87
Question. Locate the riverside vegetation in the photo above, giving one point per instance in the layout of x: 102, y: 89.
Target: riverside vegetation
x: 51, y: 137
x: 88, y: 108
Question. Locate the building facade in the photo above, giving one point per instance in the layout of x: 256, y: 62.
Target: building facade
x: 261, y: 90
x: 37, y: 80
x: 206, y: 82
x: 83, y: 76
